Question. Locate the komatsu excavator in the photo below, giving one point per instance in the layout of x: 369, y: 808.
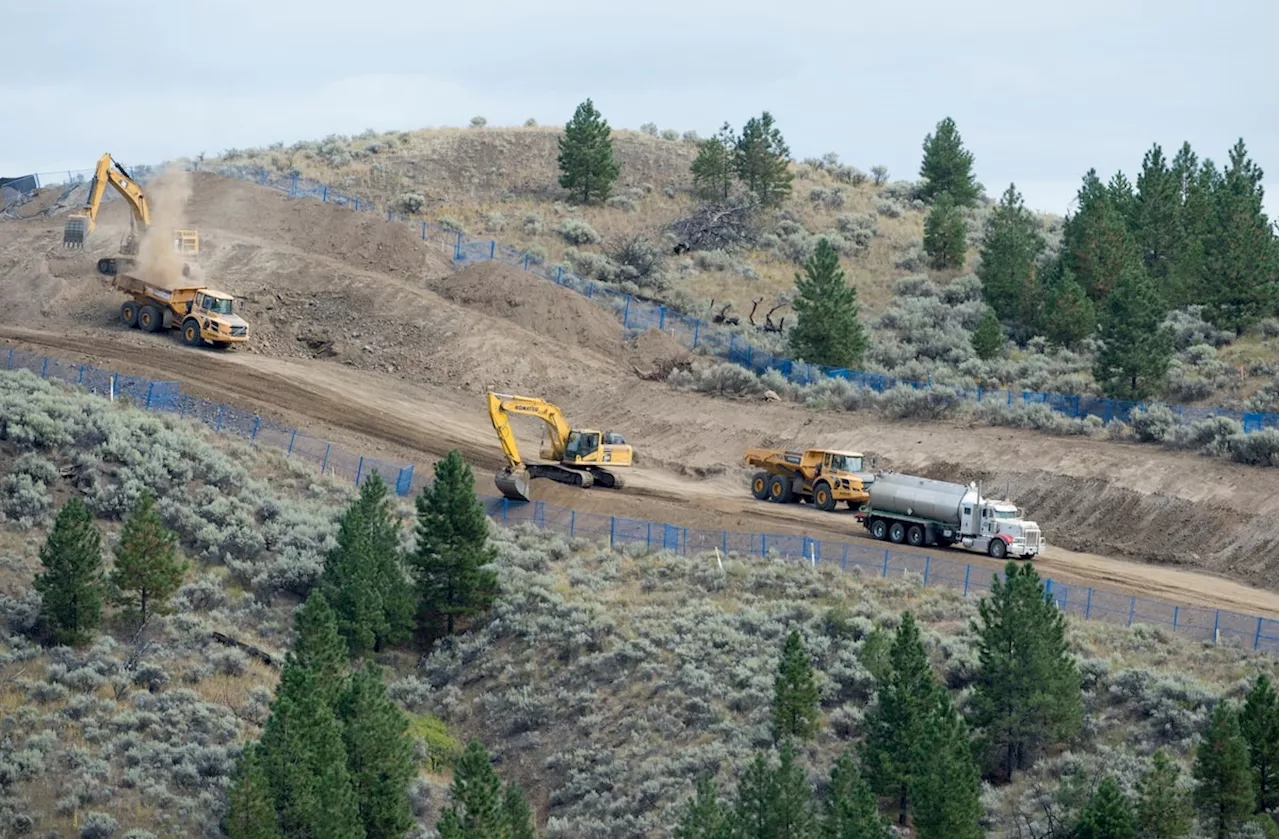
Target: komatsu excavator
x: 578, y: 453
x: 80, y: 225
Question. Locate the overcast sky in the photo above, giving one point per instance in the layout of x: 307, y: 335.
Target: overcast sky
x: 1041, y: 91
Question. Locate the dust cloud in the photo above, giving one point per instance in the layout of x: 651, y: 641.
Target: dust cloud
x: 159, y: 261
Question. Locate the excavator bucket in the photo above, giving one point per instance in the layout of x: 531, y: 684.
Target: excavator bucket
x: 513, y: 484
x: 73, y: 233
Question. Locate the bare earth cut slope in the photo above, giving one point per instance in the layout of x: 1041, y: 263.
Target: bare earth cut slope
x: 364, y: 334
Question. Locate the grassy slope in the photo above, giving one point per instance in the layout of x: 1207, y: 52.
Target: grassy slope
x: 606, y: 684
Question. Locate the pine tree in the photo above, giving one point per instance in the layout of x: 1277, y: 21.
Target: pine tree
x: 1240, y: 283
x: 793, y: 815
x: 752, y: 815
x: 453, y: 549
x: 1028, y: 692
x: 1068, y: 316
x: 363, y: 580
x: 586, y: 155
x: 712, y: 169
x: 1157, y: 225
x: 305, y: 762
x: 827, y: 329
x: 1164, y: 808
x: 948, y: 166
x: 516, y: 813
x: 379, y: 755
x: 795, y: 693
x: 1010, y: 246
x: 318, y: 647
x: 988, y: 338
x: 703, y: 817
x: 1107, y: 815
x: 761, y: 161
x: 148, y: 570
x: 476, y: 808
x: 896, y: 728
x: 849, y: 809
x: 1260, y: 727
x: 1097, y: 245
x: 1224, y: 793
x: 72, y: 584
x: 251, y: 813
x: 946, y: 792
x: 1136, y: 346
x: 945, y: 232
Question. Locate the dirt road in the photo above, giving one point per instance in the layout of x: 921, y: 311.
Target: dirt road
x: 388, y: 417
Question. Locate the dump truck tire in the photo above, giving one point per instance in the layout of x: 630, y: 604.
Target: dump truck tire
x: 149, y: 318
x: 822, y: 497
x: 129, y: 313
x: 779, y: 489
x: 760, y: 486
x: 191, y: 333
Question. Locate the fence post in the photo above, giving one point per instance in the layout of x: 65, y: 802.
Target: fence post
x: 44, y: 368
x: 182, y: 409
x: 844, y: 558
x: 424, y: 231
x: 526, y: 260
x: 696, y: 324
x: 10, y: 364
x: 257, y: 423
x: 764, y: 544
x: 967, y: 569
x: 457, y: 246
x: 493, y: 247
x: 1257, y: 635
x: 222, y: 412
x: 324, y: 464
x: 1133, y: 604
x: 662, y: 317
x: 724, y: 542
x: 1217, y: 613
x: 151, y: 388
x: 885, y: 571
x: 926, y: 571
x: 573, y: 515
x: 359, y: 469
x: 612, y: 522
x: 505, y: 503
x: 80, y: 378
x: 1088, y: 603
x: 324, y: 193
x: 559, y: 273
x: 648, y: 535
x: 626, y: 313
x: 292, y: 439
x: 1175, y: 617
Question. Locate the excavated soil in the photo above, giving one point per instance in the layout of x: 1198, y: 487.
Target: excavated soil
x: 364, y: 334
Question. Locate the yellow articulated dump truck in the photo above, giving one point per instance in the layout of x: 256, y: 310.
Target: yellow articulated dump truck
x: 205, y: 315
x: 822, y: 477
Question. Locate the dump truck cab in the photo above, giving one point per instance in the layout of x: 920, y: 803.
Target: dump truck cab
x: 211, y: 317
x: 824, y: 477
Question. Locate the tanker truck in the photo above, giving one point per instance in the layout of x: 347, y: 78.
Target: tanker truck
x: 920, y: 512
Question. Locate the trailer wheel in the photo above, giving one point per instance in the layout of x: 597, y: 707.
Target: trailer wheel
x: 897, y: 533
x: 760, y: 486
x: 997, y: 548
x: 191, y: 333
x: 149, y: 318
x: 129, y: 313
x: 879, y: 530
x: 915, y: 535
x: 779, y: 489
x: 822, y: 497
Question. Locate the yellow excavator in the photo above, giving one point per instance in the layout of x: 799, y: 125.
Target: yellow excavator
x: 578, y: 454
x: 80, y: 224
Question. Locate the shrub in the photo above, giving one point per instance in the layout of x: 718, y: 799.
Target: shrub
x: 889, y: 208
x: 530, y: 123
x: 691, y: 137
x: 494, y: 222
x: 98, y: 826
x: 437, y: 747
x: 1152, y: 425
x: 649, y: 128
x: 622, y: 202
x: 670, y: 134
x: 879, y: 174
x: 411, y: 202
x: 1258, y: 448
x: 479, y: 122
x: 578, y: 232
x: 532, y: 224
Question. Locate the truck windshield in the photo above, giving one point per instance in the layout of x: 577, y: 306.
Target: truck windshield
x: 217, y: 305
x: 998, y: 513
x: 846, y: 463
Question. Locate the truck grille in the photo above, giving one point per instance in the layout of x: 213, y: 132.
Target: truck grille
x: 238, y: 331
x: 1034, y: 540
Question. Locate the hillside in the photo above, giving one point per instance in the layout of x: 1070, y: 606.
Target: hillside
x: 604, y: 683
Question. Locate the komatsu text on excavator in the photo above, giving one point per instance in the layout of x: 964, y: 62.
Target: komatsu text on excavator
x: 579, y: 454
x: 80, y: 224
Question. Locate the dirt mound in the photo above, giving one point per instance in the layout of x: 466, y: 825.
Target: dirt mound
x: 534, y: 303
x: 653, y: 354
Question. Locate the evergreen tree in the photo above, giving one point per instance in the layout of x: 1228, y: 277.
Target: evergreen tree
x: 1120, y: 194
x: 1028, y: 691
x: 305, y: 762
x: 896, y: 728
x: 795, y: 693
x: 1224, y: 794
x: 1097, y: 245
x: 945, y: 232
x: 1157, y: 225
x: 1260, y: 727
x: 948, y: 166
x: 1240, y: 283
x: 1068, y: 316
x: 774, y: 803
x: 363, y: 579
x: 251, y: 813
x: 148, y: 570
x: 516, y: 813
x: 988, y: 338
x: 703, y: 816
x: 712, y: 169
x: 849, y: 809
x: 586, y: 155
x: 1107, y: 815
x: 453, y: 549
x: 946, y: 791
x: 761, y: 160
x: 1010, y: 247
x: 1136, y: 346
x: 1164, y: 808
x: 379, y: 755
x: 827, y: 329
x: 72, y: 584
x: 318, y: 647
x: 476, y: 811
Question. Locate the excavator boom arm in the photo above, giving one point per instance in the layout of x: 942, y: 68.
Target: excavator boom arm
x: 108, y: 172
x: 501, y: 403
